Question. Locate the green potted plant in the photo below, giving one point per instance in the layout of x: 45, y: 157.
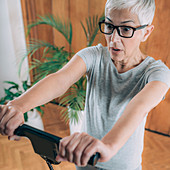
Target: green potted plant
x: 54, y: 58
x: 31, y: 117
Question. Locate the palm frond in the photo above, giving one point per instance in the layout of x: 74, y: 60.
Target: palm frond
x: 70, y: 115
x: 46, y: 67
x: 65, y: 28
x: 74, y: 98
x: 73, y: 116
x: 57, y: 58
x: 91, y: 28
x: 64, y: 116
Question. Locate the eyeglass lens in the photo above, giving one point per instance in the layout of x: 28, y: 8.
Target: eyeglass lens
x: 123, y: 30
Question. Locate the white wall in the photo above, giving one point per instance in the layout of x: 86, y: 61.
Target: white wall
x: 12, y: 42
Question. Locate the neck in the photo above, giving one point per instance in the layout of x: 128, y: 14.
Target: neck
x: 129, y: 62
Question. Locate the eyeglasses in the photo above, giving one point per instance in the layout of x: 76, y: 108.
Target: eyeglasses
x: 123, y: 31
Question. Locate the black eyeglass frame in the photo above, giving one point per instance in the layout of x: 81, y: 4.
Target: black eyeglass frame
x: 117, y: 28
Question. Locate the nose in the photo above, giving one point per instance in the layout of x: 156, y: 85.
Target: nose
x: 115, y: 36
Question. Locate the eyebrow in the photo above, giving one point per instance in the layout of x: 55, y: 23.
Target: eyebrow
x: 124, y: 22
x: 109, y: 19
x: 121, y: 22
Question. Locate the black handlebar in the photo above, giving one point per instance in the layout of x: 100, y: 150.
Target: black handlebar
x: 46, y: 144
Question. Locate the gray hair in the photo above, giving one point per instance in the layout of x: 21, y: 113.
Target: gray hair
x: 144, y: 9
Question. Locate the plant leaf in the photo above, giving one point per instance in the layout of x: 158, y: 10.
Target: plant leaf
x: 65, y: 28
x: 26, y: 116
x: 92, y: 28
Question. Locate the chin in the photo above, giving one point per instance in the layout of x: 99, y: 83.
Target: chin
x: 117, y: 58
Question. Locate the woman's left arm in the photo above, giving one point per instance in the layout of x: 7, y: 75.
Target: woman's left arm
x: 79, y: 147
x: 149, y: 97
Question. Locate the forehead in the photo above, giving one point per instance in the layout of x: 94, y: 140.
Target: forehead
x: 119, y: 16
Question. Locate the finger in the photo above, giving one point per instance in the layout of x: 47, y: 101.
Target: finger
x: 60, y: 159
x: 62, y: 145
x: 14, y: 137
x: 72, y: 144
x: 13, y: 123
x: 84, y: 142
x: 4, y: 114
x: 7, y: 113
x: 10, y: 112
x: 3, y: 110
x: 65, y: 147
x: 89, y: 151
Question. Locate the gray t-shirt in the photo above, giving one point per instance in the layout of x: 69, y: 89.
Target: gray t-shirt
x: 108, y: 93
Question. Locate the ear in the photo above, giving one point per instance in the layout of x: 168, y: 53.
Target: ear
x: 148, y: 30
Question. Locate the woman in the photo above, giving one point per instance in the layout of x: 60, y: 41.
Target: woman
x: 123, y: 85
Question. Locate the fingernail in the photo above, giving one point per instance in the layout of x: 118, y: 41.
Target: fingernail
x: 57, y: 157
x: 11, y: 139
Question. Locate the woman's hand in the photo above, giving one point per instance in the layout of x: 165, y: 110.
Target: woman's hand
x: 79, y: 147
x: 10, y: 118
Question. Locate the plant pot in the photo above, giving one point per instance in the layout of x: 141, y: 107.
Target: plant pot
x: 35, y: 120
x: 76, y: 126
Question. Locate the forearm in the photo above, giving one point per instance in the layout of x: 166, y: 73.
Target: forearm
x: 44, y: 91
x: 134, y: 114
x: 52, y: 86
x: 79, y: 147
x: 124, y: 127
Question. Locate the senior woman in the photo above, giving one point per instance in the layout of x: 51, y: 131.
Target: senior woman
x: 123, y: 85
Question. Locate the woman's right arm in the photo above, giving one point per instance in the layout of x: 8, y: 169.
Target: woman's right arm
x: 53, y: 86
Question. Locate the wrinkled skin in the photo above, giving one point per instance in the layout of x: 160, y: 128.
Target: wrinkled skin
x: 79, y: 147
x: 10, y: 118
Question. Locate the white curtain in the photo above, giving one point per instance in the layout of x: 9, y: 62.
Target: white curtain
x: 12, y: 43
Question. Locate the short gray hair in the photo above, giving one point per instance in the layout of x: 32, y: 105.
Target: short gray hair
x: 144, y: 9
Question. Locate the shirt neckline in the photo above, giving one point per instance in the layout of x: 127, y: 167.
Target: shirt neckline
x: 131, y: 70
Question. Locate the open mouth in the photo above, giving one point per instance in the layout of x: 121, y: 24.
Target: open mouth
x: 116, y: 49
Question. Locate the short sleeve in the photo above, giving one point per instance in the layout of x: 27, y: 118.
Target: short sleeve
x: 161, y: 73
x: 89, y: 56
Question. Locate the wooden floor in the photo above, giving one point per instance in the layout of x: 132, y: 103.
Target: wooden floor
x: 20, y: 155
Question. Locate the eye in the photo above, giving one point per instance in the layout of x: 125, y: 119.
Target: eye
x: 108, y: 26
x: 126, y: 29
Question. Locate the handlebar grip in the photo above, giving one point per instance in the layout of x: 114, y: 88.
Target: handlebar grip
x: 39, y: 137
x: 94, y: 159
